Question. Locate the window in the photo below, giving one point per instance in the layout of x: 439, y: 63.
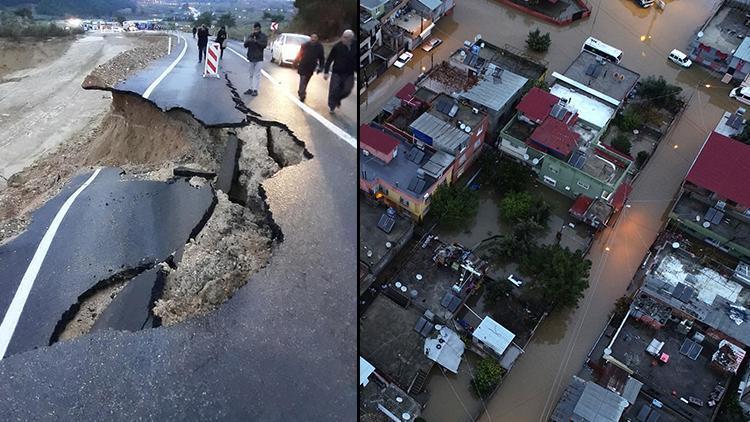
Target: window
x: 583, y: 185
x: 550, y: 181
x: 403, y: 201
x: 554, y: 170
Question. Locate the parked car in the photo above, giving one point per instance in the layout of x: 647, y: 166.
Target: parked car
x: 403, y: 59
x: 516, y: 281
x: 680, y: 58
x: 431, y: 44
x: 741, y: 94
x: 284, y: 49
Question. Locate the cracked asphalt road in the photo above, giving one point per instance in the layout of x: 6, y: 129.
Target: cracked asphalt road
x: 112, y: 226
x: 279, y: 349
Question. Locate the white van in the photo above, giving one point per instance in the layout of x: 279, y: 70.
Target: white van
x: 742, y: 94
x: 680, y: 58
x: 601, y: 49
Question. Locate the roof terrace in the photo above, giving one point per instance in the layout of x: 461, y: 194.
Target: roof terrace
x: 726, y: 30
x: 601, y: 75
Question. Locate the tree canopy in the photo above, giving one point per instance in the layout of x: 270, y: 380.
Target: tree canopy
x: 502, y: 174
x: 455, y: 206
x: 226, y: 20
x: 561, y: 275
x: 328, y: 18
x: 205, y: 18
x: 517, y: 207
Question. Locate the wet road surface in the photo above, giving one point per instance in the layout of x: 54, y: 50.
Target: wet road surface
x: 533, y: 387
x: 110, y: 227
x: 279, y: 348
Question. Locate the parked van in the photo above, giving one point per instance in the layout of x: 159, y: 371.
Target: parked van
x: 742, y: 94
x: 680, y: 58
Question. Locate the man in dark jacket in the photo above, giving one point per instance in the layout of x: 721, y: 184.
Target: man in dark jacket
x: 309, y: 59
x: 343, y: 55
x: 255, y: 43
x: 202, y: 42
x: 221, y: 36
x: 194, y: 31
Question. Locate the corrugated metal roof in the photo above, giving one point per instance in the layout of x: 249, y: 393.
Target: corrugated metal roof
x: 431, y: 4
x: 495, y: 94
x: 631, y: 390
x: 599, y: 404
x: 445, y: 136
x: 743, y: 51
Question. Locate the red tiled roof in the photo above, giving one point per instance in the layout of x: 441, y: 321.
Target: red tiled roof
x: 537, y: 104
x: 580, y: 205
x: 406, y: 92
x: 723, y: 167
x: 556, y: 136
x: 377, y: 140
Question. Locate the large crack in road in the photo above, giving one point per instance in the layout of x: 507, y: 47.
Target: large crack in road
x: 234, y: 237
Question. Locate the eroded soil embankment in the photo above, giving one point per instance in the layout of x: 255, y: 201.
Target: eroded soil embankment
x: 235, y: 241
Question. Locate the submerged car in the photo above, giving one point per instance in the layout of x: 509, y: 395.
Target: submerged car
x: 680, y: 58
x: 285, y: 48
x: 431, y: 44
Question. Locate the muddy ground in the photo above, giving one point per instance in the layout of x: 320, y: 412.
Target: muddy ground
x: 24, y: 54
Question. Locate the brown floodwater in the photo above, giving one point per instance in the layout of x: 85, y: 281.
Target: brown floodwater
x: 645, y: 36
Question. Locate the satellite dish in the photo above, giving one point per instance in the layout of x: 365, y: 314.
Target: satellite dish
x: 398, y: 284
x: 399, y: 399
x: 404, y: 289
x: 388, y: 245
x: 535, y: 161
x: 675, y: 245
x: 608, y: 352
x: 700, y: 34
x: 467, y: 129
x: 419, y: 277
x: 526, y: 157
x: 438, y: 327
x: 462, y: 126
x: 369, y: 254
x: 706, y: 224
x: 406, y: 416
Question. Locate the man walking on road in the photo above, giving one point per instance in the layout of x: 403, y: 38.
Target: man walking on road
x: 194, y: 31
x: 255, y: 44
x: 202, y: 42
x: 344, y: 59
x: 221, y: 37
x: 309, y: 59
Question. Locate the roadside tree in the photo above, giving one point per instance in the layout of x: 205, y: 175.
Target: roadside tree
x: 561, y: 275
x: 454, y: 206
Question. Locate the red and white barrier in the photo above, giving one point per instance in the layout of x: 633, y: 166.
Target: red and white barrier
x: 212, y: 60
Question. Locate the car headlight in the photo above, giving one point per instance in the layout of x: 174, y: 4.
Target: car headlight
x: 289, y: 51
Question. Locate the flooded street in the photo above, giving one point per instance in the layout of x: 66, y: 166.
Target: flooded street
x: 531, y: 390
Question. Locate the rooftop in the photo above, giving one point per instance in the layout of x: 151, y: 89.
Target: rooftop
x: 377, y: 140
x: 442, y: 135
x: 378, y: 394
x: 537, y: 104
x: 731, y: 124
x: 683, y: 375
x: 590, y: 109
x: 683, y: 281
x: 405, y: 169
x: 601, y: 75
x: 413, y: 23
x: 723, y: 166
x: 587, y: 401
x: 507, y: 57
x: 447, y: 79
x: 556, y: 136
x: 449, y: 109
x: 493, y: 335
x: 495, y: 88
x: 430, y: 284
x: 372, y: 239
x: 694, y: 208
x: 388, y: 341
x: 725, y: 31
x: 372, y: 4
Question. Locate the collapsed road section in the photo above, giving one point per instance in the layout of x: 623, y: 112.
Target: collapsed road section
x: 149, y: 241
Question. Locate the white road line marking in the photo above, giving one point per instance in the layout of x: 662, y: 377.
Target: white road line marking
x: 164, y: 74
x: 13, y: 314
x: 325, y: 122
